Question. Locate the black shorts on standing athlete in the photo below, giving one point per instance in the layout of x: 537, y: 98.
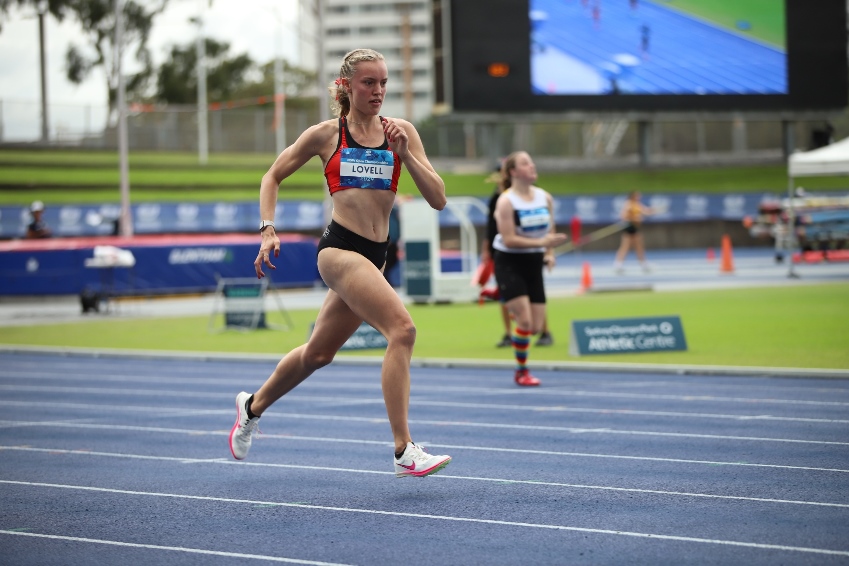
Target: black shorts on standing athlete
x: 520, y: 274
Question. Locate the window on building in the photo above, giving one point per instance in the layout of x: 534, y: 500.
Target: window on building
x: 380, y: 30
x: 415, y: 6
x: 376, y: 7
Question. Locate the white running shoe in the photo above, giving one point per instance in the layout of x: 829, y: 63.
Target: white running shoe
x: 240, y: 435
x: 415, y: 462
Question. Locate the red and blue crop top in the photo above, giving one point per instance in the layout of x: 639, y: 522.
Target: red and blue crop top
x: 353, y: 166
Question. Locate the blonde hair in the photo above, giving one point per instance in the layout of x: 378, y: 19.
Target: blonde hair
x: 340, y: 103
x: 509, y: 163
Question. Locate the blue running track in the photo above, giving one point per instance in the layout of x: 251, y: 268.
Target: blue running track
x: 124, y: 460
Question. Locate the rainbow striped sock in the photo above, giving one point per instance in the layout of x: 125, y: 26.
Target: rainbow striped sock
x: 521, y: 342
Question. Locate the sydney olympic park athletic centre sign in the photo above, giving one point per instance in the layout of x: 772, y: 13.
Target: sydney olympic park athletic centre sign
x: 629, y: 335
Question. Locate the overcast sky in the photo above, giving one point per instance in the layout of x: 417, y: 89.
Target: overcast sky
x: 248, y: 25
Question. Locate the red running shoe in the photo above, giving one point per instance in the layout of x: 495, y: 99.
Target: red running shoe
x: 525, y: 379
x: 492, y: 294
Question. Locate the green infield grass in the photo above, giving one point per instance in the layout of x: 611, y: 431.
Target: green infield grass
x: 791, y: 326
x: 94, y: 159
x: 765, y: 17
x: 68, y: 177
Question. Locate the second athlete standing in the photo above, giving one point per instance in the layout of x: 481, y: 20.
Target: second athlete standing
x: 524, y: 244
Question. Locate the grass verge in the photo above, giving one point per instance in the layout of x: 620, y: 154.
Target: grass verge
x: 794, y: 326
x: 63, y: 177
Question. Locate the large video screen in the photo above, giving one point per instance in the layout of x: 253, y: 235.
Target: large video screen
x: 531, y: 55
x: 634, y: 47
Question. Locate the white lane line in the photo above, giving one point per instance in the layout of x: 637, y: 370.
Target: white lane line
x: 553, y: 391
x: 676, y: 538
x: 441, y: 475
x: 616, y: 411
x: 442, y: 389
x: 24, y: 424
x: 104, y: 391
x: 123, y: 376
x: 172, y: 548
x: 348, y: 401
x: 101, y: 407
x: 571, y: 430
x: 196, y: 432
x: 191, y: 375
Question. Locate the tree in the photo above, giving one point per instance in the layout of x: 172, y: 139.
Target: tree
x: 227, y: 78
x: 177, y: 78
x: 97, y: 18
x: 298, y: 82
x: 56, y: 8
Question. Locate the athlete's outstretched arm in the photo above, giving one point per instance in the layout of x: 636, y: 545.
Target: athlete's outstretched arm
x: 308, y: 145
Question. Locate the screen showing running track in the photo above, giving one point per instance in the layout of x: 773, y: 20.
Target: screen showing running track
x: 668, y: 47
x: 531, y: 55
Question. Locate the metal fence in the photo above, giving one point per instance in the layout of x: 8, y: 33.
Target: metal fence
x: 607, y: 140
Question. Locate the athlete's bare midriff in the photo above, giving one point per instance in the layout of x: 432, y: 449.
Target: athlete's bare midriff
x: 364, y: 211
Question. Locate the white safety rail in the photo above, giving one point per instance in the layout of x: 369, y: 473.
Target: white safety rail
x: 423, y: 278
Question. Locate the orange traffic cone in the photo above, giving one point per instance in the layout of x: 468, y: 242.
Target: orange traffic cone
x: 586, y: 278
x: 711, y: 255
x: 727, y: 265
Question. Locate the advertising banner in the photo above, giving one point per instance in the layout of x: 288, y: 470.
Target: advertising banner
x: 364, y: 338
x: 221, y: 217
x: 627, y: 335
x: 244, y: 304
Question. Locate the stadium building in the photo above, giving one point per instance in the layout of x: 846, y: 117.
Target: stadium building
x: 402, y: 31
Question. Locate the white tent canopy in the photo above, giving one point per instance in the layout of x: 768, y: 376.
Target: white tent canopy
x: 832, y: 159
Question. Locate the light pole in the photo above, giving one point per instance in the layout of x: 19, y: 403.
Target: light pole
x: 279, y: 88
x: 200, y: 48
x: 323, y: 108
x: 279, y: 72
x: 126, y: 222
x: 279, y: 105
x: 45, y: 122
x: 407, y: 55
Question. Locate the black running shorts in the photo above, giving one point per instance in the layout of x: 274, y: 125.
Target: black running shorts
x: 520, y: 274
x: 337, y: 236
